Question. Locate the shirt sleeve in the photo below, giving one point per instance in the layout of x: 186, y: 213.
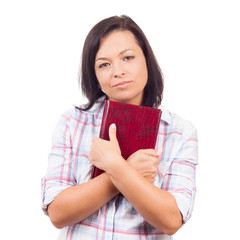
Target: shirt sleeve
x: 60, y: 174
x: 180, y: 178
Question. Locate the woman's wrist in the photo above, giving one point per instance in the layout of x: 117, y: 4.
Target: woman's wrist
x: 105, y: 177
x: 117, y: 163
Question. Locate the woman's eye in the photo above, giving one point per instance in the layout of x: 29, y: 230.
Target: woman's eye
x: 103, y: 65
x: 127, y: 58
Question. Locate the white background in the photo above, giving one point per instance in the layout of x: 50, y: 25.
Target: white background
x: 197, y: 44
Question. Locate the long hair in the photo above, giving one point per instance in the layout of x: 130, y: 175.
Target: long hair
x: 153, y: 90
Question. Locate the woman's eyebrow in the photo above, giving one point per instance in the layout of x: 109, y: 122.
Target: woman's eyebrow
x: 122, y: 52
x: 102, y: 58
x: 128, y: 49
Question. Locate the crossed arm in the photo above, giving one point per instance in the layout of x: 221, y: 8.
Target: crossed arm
x: 78, y: 202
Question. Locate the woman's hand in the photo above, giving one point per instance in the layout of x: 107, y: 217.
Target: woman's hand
x: 103, y: 153
x: 145, y: 161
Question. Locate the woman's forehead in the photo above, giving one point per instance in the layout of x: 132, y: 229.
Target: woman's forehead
x: 117, y: 42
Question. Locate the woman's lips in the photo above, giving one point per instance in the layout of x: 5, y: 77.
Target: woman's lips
x: 122, y: 84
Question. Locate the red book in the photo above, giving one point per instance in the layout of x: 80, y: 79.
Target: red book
x: 137, y: 127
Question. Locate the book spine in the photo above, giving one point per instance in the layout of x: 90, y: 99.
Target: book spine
x: 97, y: 171
x: 104, y: 118
x: 157, y: 126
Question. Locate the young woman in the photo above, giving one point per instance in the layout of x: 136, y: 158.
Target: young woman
x: 157, y: 186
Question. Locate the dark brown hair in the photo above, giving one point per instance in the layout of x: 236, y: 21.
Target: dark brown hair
x: 90, y: 88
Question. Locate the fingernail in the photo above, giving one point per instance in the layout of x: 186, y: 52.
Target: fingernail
x: 113, y: 125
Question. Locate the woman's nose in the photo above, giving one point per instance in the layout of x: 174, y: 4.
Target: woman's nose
x: 118, y: 70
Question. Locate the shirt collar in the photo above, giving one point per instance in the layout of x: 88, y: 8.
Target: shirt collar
x: 98, y: 107
x: 166, y: 115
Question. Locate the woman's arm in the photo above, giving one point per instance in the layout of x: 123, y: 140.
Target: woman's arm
x: 78, y: 202
x: 156, y: 206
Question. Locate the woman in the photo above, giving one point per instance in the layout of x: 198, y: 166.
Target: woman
x: 157, y: 186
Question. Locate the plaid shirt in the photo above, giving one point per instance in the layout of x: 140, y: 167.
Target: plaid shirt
x: 69, y: 165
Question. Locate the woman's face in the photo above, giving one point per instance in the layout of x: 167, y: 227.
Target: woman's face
x: 120, y: 67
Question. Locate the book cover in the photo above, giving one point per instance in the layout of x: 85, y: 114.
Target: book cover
x: 137, y: 127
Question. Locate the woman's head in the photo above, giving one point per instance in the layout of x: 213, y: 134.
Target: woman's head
x: 120, y: 67
x: 91, y: 86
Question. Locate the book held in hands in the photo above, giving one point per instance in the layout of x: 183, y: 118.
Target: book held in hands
x: 137, y: 127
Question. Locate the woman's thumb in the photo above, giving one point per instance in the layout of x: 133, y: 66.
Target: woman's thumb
x: 112, y: 132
